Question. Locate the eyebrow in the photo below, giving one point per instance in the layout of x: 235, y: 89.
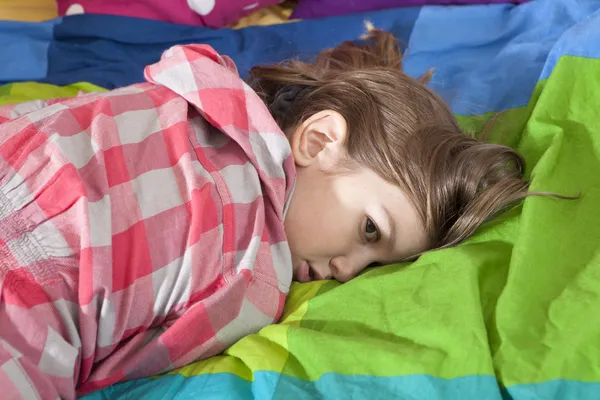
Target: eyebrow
x: 391, y: 224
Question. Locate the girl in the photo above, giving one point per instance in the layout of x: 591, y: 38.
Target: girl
x: 154, y: 225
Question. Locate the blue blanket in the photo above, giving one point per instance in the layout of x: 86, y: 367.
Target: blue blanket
x: 487, y: 57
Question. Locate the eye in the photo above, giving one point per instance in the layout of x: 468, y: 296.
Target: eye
x: 371, y: 231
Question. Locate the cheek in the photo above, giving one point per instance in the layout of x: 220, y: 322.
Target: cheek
x: 317, y: 225
x: 306, y: 218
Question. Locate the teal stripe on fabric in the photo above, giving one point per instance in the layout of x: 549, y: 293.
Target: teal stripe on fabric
x: 557, y: 389
x: 206, y: 386
x: 271, y: 385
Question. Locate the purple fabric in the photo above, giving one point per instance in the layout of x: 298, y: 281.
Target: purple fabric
x: 327, y: 8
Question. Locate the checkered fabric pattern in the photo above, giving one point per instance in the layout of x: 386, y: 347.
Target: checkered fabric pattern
x: 140, y: 229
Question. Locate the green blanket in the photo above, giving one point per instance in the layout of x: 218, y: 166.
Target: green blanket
x: 26, y: 91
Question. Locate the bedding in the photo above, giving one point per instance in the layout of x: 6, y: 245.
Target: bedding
x: 28, y: 10
x: 81, y: 49
x: 277, y: 14
x: 21, y: 92
x: 512, y: 313
x: 235, y: 14
x: 211, y: 13
x: 329, y: 8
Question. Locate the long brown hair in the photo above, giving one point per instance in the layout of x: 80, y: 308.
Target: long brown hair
x: 400, y: 129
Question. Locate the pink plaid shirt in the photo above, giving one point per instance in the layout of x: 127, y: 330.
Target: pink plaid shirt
x: 140, y: 229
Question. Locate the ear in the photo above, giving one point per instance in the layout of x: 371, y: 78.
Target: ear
x: 319, y: 139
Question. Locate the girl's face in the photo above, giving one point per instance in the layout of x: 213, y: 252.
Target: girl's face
x: 340, y: 223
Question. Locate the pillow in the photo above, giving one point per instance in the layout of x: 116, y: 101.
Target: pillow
x: 211, y: 13
x: 328, y: 8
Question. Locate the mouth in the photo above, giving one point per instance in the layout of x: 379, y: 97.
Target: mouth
x: 311, y: 272
x: 306, y: 273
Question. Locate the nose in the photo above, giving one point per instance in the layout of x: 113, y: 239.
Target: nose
x: 344, y: 268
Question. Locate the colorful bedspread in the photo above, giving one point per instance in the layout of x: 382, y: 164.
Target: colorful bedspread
x: 111, y: 51
x: 512, y: 313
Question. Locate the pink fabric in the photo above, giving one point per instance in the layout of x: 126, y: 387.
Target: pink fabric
x: 211, y: 13
x: 140, y: 229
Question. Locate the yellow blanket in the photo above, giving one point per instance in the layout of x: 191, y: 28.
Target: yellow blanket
x: 28, y: 10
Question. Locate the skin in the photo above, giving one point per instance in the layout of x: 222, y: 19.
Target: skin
x: 342, y: 220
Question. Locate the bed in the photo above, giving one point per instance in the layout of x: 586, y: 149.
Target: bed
x: 510, y: 314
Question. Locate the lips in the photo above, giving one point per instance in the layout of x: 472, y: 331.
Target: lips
x: 304, y: 273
